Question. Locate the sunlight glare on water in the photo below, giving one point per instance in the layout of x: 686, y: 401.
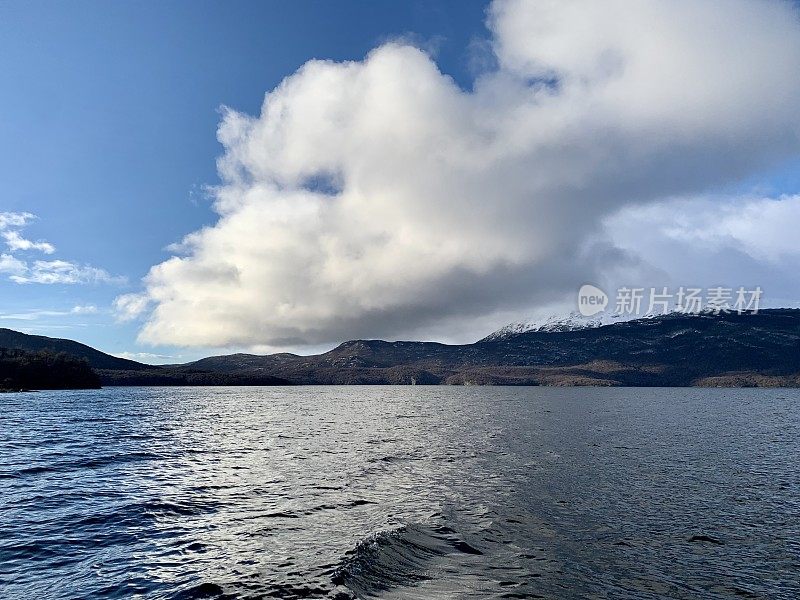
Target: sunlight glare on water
x: 400, y: 492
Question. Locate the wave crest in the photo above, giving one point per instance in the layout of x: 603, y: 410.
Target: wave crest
x: 405, y: 556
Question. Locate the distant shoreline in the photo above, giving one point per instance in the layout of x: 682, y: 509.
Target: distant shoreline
x: 674, y: 350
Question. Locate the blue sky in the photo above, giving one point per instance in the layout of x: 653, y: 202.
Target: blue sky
x: 110, y: 113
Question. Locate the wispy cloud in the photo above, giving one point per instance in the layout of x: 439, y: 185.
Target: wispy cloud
x: 10, y: 225
x: 12, y: 265
x: 84, y: 309
x: 64, y: 272
x: 15, y: 219
x: 130, y: 306
x: 15, y: 241
x: 22, y: 271
x: 147, y: 356
x: 36, y: 314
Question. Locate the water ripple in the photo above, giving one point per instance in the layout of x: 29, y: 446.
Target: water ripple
x: 384, y: 492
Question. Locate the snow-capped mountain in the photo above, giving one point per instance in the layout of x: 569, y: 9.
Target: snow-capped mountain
x: 571, y: 322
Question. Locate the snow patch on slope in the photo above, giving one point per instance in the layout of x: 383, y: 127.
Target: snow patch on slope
x: 572, y: 322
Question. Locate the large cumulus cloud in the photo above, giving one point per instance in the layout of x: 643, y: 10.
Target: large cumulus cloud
x: 377, y: 198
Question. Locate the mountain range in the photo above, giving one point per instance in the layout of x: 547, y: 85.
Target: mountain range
x: 725, y: 349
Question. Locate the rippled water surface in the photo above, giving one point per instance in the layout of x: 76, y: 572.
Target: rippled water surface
x: 392, y: 492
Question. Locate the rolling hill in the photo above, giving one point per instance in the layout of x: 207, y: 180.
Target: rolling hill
x: 113, y: 370
x: 725, y: 349
x: 673, y: 349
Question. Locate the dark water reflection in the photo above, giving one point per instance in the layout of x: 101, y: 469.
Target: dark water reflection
x: 400, y: 493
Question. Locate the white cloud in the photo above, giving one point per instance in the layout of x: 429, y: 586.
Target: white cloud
x: 84, y: 309
x: 130, y: 306
x: 24, y: 316
x: 11, y: 264
x: 765, y: 229
x: 41, y: 271
x: 11, y: 223
x: 148, y: 357
x: 33, y: 315
x: 63, y: 272
x: 746, y: 241
x: 15, y: 241
x: 376, y: 198
x: 15, y: 219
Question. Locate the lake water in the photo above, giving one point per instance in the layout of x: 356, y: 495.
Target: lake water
x: 390, y: 492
